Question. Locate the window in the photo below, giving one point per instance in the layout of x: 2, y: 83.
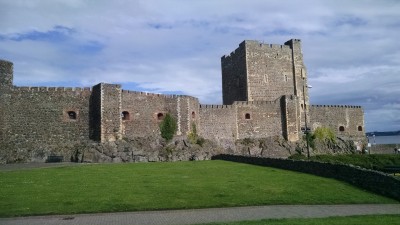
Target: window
x: 360, y: 128
x: 247, y: 116
x: 341, y: 128
x: 265, y: 78
x: 193, y: 115
x: 71, y: 115
x: 125, y: 115
x: 160, y: 116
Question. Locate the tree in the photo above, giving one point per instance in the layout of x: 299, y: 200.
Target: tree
x: 168, y: 127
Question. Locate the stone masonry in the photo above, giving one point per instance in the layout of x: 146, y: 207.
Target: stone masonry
x: 264, y: 95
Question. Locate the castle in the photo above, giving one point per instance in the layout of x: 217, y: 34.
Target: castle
x: 265, y: 94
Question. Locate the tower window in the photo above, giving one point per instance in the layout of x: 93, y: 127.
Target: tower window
x: 341, y: 128
x: 247, y: 116
x: 193, y: 115
x: 125, y: 115
x: 360, y: 128
x: 71, y: 115
x: 160, y: 116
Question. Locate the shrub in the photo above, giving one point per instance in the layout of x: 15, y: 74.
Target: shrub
x: 200, y: 141
x: 246, y: 141
x: 321, y: 134
x: 192, y: 136
x: 311, y: 139
x: 325, y: 134
x: 168, y: 127
x: 376, y: 162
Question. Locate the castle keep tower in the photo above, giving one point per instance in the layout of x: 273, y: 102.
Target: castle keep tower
x: 265, y: 72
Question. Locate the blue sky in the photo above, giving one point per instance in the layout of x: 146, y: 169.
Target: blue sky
x: 350, y: 48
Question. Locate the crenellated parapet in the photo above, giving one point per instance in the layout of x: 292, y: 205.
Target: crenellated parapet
x: 337, y: 106
x: 216, y: 106
x: 51, y: 89
x: 239, y: 103
x: 156, y: 94
x: 345, y: 120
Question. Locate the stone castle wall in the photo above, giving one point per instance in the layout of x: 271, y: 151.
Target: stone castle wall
x: 244, y: 119
x: 38, y: 120
x: 234, y: 79
x: 147, y: 110
x: 264, y: 88
x: 259, y: 119
x: 218, y: 122
x: 344, y: 120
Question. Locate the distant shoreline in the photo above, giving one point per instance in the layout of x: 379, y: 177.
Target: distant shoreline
x: 384, y: 133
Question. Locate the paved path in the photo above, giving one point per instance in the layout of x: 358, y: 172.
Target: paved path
x: 206, y: 215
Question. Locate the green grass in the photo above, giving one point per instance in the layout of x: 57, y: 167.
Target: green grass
x: 348, y: 220
x: 150, y: 186
x: 377, y: 161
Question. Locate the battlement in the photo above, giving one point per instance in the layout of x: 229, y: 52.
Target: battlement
x: 216, y: 106
x: 52, y: 89
x: 264, y: 46
x: 232, y: 54
x: 157, y: 94
x: 336, y: 106
x: 239, y: 103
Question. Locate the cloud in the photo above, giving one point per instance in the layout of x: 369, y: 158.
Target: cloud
x: 171, y: 46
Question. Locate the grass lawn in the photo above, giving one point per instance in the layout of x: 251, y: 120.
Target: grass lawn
x: 349, y: 220
x: 150, y: 186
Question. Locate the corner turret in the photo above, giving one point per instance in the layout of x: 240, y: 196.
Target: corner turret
x: 6, y: 74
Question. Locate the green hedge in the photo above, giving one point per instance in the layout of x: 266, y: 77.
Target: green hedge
x: 376, y: 162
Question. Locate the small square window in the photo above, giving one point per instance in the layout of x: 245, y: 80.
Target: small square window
x: 71, y: 115
x: 125, y: 115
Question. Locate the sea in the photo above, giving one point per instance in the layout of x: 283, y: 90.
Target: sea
x: 395, y: 139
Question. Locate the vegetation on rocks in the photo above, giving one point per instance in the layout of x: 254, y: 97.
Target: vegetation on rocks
x: 323, y: 140
x: 168, y: 127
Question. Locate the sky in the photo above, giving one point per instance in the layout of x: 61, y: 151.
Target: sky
x: 350, y: 48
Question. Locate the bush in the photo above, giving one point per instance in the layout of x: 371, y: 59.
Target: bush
x: 325, y: 134
x: 168, y: 127
x: 321, y: 134
x: 376, y: 162
x: 311, y: 139
x: 192, y: 136
x: 200, y: 141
